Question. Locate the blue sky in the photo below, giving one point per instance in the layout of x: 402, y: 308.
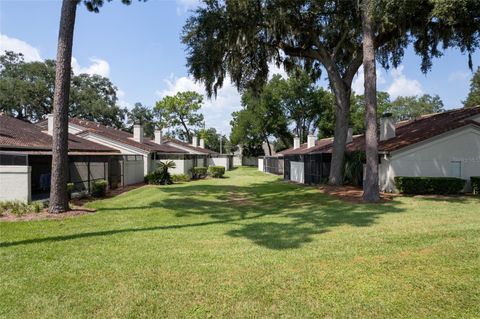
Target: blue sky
x: 138, y: 47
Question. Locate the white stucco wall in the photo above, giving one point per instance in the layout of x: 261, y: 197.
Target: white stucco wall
x: 260, y: 164
x: 181, y: 166
x: 15, y: 183
x: 434, y: 158
x: 297, y: 172
x: 133, y: 172
x: 219, y: 161
x: 237, y: 160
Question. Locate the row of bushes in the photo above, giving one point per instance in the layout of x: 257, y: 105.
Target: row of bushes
x: 161, y: 176
x: 429, y: 185
x: 202, y: 172
x: 98, y: 188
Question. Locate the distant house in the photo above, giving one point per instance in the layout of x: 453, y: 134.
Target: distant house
x: 441, y: 144
x: 26, y: 160
x: 197, y: 147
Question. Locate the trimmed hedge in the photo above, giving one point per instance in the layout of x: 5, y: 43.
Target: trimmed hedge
x: 99, y: 188
x: 180, y: 178
x: 429, y: 185
x: 199, y: 172
x: 216, y: 171
x: 475, y: 181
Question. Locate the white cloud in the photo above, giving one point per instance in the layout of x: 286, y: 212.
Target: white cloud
x: 121, y: 99
x: 29, y: 52
x: 460, y: 75
x: 402, y: 86
x: 184, y: 6
x: 358, y: 85
x: 98, y: 66
x: 217, y: 111
x: 120, y: 93
x: 273, y: 69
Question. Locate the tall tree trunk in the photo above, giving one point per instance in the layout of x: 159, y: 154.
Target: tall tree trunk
x: 342, y: 115
x: 371, y: 191
x: 187, y: 132
x: 58, y: 190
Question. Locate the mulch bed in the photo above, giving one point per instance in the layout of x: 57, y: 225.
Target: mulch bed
x: 44, y: 214
x: 76, y: 205
x: 352, y: 194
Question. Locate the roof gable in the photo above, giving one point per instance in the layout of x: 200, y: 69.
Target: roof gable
x: 124, y: 137
x: 406, y: 132
x: 15, y: 133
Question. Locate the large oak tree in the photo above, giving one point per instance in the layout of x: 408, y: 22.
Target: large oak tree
x: 242, y: 38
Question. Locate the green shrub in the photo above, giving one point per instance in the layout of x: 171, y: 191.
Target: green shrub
x: 475, y: 181
x: 199, y: 172
x: 429, y: 185
x: 99, y: 188
x: 353, y: 170
x: 161, y: 176
x: 70, y: 189
x: 216, y: 171
x: 37, y: 206
x: 180, y: 178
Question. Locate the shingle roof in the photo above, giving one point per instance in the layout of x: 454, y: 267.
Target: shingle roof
x: 406, y: 132
x: 189, y: 146
x: 15, y: 133
x: 319, y: 145
x: 124, y: 137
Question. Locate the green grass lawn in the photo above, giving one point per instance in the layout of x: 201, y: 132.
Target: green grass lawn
x: 247, y: 245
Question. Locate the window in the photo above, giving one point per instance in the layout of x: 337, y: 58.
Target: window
x: 456, y: 169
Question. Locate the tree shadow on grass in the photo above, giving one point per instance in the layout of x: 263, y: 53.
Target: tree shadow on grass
x: 274, y: 214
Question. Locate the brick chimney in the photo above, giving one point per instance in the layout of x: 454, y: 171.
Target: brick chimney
x: 310, y: 140
x: 296, y: 142
x: 158, y: 136
x: 194, y: 141
x: 50, y: 124
x: 138, y: 133
x: 387, y: 127
x: 350, y: 135
x: 202, y: 143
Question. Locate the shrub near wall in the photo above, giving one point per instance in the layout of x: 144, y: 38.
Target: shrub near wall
x: 475, y: 181
x: 99, y: 188
x: 199, y: 172
x: 429, y: 185
x: 216, y: 171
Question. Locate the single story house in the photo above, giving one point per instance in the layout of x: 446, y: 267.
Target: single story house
x: 152, y: 151
x: 442, y: 144
x: 26, y: 160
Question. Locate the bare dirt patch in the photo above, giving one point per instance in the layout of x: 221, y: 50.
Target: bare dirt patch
x: 238, y: 199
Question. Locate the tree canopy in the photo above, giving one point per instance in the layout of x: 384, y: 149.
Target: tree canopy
x: 264, y: 116
x: 181, y: 112
x: 242, y: 38
x: 26, y: 92
x: 144, y: 115
x: 473, y: 98
x: 402, y: 108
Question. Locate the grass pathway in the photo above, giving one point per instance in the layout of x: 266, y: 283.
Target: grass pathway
x: 247, y: 245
